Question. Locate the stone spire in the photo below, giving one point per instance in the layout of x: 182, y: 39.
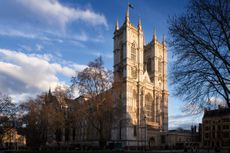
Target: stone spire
x: 139, y: 24
x: 163, y: 40
x: 127, y: 14
x: 154, y: 35
x: 117, y: 26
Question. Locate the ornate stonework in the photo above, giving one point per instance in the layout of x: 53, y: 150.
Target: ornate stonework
x: 142, y: 71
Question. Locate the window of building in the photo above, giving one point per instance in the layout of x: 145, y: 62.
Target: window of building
x: 213, y: 127
x: 205, y: 143
x: 134, y: 130
x: 219, y: 127
x: 206, y: 135
x: 225, y: 134
x: 148, y: 107
x: 213, y: 135
x: 157, y: 108
x: 226, y: 120
x: 225, y: 127
x: 133, y: 52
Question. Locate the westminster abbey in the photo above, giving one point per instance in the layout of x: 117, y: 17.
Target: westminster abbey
x: 142, y: 71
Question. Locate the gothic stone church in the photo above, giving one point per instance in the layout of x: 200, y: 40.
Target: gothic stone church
x: 143, y: 71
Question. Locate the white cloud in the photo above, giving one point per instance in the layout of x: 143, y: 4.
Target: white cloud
x: 47, y: 20
x: 15, y: 33
x: 46, y: 36
x: 25, y: 74
x: 6, y: 31
x: 82, y: 36
x: 184, y: 121
x: 53, y: 12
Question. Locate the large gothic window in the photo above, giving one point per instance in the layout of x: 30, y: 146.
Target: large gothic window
x: 133, y: 52
x: 148, y: 107
x: 157, y: 108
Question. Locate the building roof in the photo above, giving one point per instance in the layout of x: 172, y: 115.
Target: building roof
x: 179, y: 130
x: 217, y: 112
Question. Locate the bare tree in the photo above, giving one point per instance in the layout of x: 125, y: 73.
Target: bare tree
x: 95, y: 82
x: 201, y: 41
x: 32, y: 119
x: 6, y: 105
x: 44, y: 117
x: 7, y: 115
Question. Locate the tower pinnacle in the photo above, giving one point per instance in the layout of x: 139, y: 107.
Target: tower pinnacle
x: 139, y: 24
x: 154, y: 35
x: 127, y: 14
x: 117, y: 26
x: 163, y: 41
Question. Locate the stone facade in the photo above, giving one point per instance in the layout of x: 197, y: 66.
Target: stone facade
x: 181, y: 138
x: 142, y: 72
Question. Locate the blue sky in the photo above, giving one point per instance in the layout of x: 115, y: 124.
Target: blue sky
x: 43, y: 42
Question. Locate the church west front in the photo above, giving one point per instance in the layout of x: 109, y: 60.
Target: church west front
x: 141, y: 71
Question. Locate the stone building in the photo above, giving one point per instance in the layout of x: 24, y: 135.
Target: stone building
x: 181, y: 138
x: 216, y: 128
x: 141, y: 69
x: 12, y: 137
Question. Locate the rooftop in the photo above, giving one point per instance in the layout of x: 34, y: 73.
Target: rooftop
x: 217, y: 112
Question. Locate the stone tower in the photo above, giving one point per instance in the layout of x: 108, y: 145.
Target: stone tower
x: 141, y: 71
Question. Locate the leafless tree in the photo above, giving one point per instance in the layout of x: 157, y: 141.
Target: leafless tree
x: 44, y: 117
x: 201, y: 47
x: 7, y: 114
x: 95, y: 82
x: 6, y: 105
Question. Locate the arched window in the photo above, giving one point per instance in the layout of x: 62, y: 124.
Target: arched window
x: 157, y: 108
x: 153, y: 110
x: 148, y: 107
x: 133, y: 52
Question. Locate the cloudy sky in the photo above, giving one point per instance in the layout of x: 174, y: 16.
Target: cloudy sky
x: 44, y: 42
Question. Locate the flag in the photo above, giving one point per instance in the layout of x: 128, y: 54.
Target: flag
x: 131, y: 6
